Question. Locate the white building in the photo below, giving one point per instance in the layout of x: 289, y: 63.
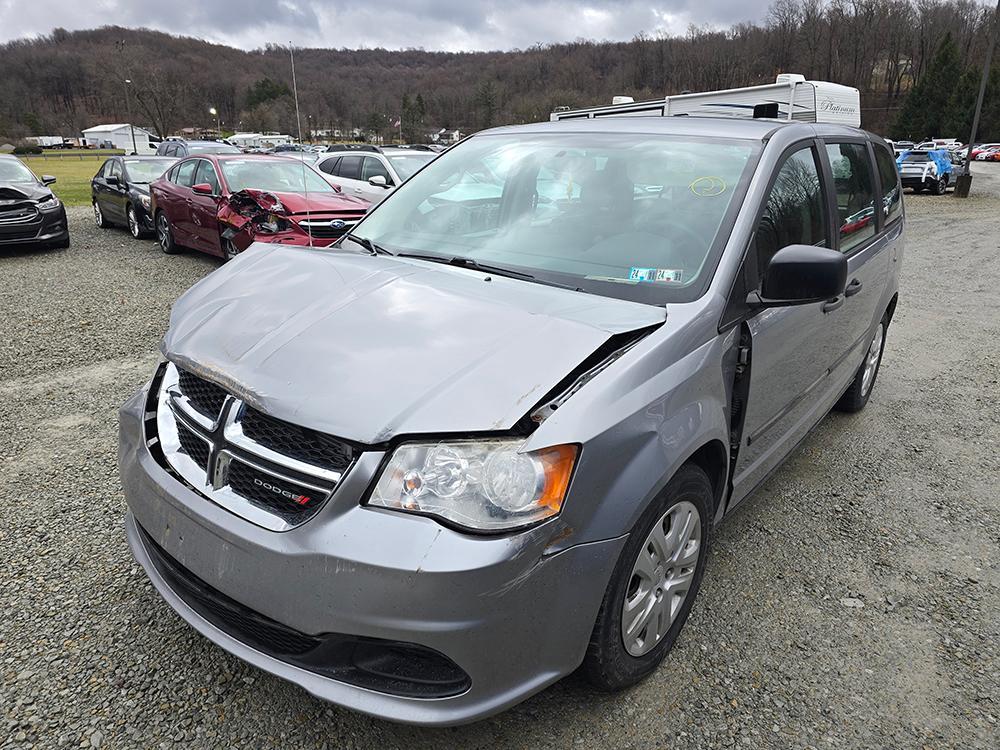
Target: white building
x: 119, y: 135
x: 445, y: 136
x: 258, y: 140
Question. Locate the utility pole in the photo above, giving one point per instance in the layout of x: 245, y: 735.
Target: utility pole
x: 128, y: 112
x: 964, y: 181
x: 120, y: 44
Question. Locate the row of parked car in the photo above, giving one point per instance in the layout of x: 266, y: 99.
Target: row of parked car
x: 218, y: 200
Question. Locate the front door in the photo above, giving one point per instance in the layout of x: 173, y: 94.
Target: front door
x: 793, y: 348
x: 205, y: 209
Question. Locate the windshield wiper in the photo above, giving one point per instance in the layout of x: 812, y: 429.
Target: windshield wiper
x: 367, y: 244
x: 475, y: 265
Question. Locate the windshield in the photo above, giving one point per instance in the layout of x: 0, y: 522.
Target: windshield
x: 146, y: 170
x: 275, y: 175
x: 12, y: 170
x: 406, y: 164
x: 627, y: 215
x: 212, y: 148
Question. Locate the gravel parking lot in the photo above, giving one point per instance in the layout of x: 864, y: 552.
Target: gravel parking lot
x: 854, y: 602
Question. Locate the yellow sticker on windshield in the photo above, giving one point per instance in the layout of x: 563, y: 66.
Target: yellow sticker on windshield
x: 707, y: 187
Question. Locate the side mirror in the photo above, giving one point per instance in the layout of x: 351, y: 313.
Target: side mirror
x: 48, y: 179
x: 202, y: 188
x: 378, y: 181
x: 802, y: 275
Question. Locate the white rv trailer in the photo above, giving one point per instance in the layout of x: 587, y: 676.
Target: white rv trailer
x: 790, y: 97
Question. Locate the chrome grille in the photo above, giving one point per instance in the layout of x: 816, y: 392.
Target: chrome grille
x: 271, y: 472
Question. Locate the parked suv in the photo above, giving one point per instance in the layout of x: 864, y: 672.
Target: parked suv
x: 179, y: 148
x: 372, y: 172
x: 922, y: 169
x: 485, y: 440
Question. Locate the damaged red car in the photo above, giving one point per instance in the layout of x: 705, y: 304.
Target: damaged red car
x: 220, y: 204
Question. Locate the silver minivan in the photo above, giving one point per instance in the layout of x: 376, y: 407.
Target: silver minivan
x: 485, y: 439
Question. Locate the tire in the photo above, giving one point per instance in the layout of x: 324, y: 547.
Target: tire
x: 938, y: 186
x: 132, y: 221
x: 614, y: 660
x: 99, y: 218
x: 164, y: 235
x: 856, y: 396
x: 229, y: 249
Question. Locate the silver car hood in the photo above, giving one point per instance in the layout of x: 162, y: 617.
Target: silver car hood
x: 369, y: 347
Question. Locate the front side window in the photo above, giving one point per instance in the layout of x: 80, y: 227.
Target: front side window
x: 185, y: 173
x: 207, y: 175
x: 375, y: 168
x: 116, y: 169
x: 855, y: 191
x: 795, y: 211
x: 892, y: 198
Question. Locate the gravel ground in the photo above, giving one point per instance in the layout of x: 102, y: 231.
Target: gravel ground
x: 854, y: 602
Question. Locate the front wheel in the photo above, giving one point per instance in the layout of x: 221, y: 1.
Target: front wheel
x: 856, y: 396
x: 654, y: 584
x: 134, y: 227
x: 939, y: 185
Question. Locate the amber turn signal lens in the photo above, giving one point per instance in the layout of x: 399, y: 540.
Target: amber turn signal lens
x: 558, y: 462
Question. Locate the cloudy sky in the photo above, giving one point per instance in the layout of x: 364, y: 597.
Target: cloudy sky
x: 430, y: 24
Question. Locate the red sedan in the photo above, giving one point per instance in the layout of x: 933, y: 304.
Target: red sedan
x: 219, y: 204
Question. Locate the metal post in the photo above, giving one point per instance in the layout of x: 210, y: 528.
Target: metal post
x: 964, y: 181
x: 128, y: 112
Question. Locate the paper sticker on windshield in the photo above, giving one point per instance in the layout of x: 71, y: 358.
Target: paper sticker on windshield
x: 655, y: 274
x: 707, y: 187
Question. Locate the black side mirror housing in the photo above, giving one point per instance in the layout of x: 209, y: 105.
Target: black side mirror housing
x: 802, y: 275
x: 111, y: 180
x: 48, y: 179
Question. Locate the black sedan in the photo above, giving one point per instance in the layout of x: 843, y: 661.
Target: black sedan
x: 29, y: 213
x: 120, y: 191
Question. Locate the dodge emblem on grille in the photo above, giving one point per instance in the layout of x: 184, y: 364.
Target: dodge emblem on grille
x: 297, y: 499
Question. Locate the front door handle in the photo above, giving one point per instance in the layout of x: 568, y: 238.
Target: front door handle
x: 853, y: 288
x: 832, y: 304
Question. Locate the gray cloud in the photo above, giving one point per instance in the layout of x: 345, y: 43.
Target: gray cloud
x: 395, y: 24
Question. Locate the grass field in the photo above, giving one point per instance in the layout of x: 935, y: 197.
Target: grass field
x: 73, y: 173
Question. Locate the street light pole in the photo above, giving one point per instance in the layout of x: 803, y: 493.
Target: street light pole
x: 964, y: 181
x: 128, y: 113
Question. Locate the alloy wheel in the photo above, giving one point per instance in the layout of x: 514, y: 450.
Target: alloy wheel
x: 230, y: 249
x: 133, y: 222
x: 661, y: 578
x: 98, y: 216
x: 871, y: 360
x: 163, y: 231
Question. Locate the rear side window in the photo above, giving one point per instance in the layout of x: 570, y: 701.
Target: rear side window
x: 206, y: 174
x: 350, y: 168
x: 855, y: 189
x: 185, y: 173
x: 794, y: 214
x: 330, y: 166
x: 892, y: 200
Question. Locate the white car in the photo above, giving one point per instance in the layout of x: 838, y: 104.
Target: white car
x: 372, y: 172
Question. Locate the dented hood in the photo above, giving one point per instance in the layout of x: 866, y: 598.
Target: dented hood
x: 296, y: 203
x: 369, y: 347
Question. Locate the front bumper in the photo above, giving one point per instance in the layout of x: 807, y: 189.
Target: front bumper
x: 49, y: 228
x: 509, y: 614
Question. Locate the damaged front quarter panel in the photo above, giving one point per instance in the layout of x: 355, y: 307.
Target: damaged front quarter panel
x: 248, y: 212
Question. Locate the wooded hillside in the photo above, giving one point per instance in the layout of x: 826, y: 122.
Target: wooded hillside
x: 68, y: 81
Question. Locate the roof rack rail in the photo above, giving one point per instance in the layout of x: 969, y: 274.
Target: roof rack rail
x: 354, y: 147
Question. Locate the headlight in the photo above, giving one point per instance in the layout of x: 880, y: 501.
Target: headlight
x: 144, y: 200
x: 484, y: 485
x: 49, y: 203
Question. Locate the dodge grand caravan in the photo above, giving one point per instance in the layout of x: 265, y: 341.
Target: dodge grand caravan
x: 484, y: 439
